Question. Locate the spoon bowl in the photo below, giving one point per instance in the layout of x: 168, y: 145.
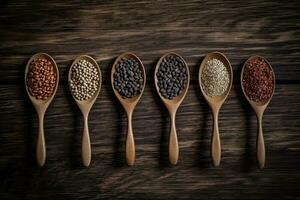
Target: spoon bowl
x: 172, y: 106
x: 255, y: 105
x: 85, y: 107
x: 86, y: 104
x: 129, y: 105
x: 41, y: 107
x: 128, y: 102
x: 215, y: 103
x: 259, y: 108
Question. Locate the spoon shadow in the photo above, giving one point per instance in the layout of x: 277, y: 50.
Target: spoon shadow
x: 75, y: 144
x: 119, y: 159
x: 118, y: 146
x: 203, y: 147
x: 248, y: 160
x: 31, y: 129
x: 163, y: 143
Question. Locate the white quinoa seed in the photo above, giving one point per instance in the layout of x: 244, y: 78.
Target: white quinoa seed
x: 84, y: 81
x: 214, y: 78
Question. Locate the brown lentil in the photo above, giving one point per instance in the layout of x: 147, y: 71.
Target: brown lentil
x: 41, y: 78
x: 258, y: 80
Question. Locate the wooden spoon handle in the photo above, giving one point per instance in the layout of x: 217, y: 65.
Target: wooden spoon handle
x: 86, y: 144
x: 173, y: 142
x: 130, y: 147
x: 215, y: 142
x: 260, y: 146
x: 41, y: 147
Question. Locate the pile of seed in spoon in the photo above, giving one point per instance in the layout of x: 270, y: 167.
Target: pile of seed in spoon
x: 214, y: 78
x: 41, y: 78
x: 258, y: 80
x: 171, y: 76
x: 128, y: 78
x: 84, y: 80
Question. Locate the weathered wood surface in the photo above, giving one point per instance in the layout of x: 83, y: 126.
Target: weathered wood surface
x: 149, y: 29
x: 238, y: 29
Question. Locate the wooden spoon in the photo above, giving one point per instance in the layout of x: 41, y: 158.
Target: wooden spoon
x: 129, y: 105
x: 172, y: 106
x: 215, y: 103
x: 259, y: 109
x: 85, y: 107
x: 41, y: 107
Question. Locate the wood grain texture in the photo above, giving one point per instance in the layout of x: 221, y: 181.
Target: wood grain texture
x: 193, y: 29
x: 149, y: 29
x: 108, y: 175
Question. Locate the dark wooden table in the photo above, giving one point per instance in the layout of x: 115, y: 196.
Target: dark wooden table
x: 149, y: 29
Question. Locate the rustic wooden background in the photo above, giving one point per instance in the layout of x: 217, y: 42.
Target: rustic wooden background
x: 149, y: 29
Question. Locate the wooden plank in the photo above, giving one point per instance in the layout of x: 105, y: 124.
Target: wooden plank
x: 151, y: 177
x: 149, y: 29
x: 104, y: 30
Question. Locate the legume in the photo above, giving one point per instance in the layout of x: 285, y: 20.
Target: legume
x: 258, y: 80
x: 41, y: 78
x: 128, y: 79
x: 84, y: 80
x: 215, y: 78
x: 171, y: 76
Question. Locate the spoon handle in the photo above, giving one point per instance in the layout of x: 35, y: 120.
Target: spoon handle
x: 215, y: 142
x: 260, y: 145
x: 130, y: 147
x: 41, y: 147
x: 173, y: 142
x: 86, y: 144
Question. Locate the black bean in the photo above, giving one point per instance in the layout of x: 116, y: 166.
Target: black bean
x: 128, y: 79
x: 171, y: 76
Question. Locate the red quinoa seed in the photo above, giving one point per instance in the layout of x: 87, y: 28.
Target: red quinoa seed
x: 258, y: 80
